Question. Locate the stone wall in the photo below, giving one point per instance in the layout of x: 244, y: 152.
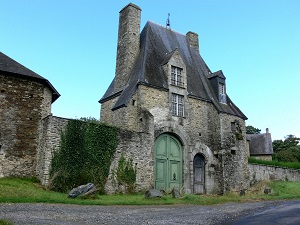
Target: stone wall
x: 23, y: 103
x: 234, y: 153
x: 272, y: 173
x: 139, y: 148
x: 49, y: 141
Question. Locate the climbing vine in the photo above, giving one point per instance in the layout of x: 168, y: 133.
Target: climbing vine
x: 126, y: 174
x: 86, y: 151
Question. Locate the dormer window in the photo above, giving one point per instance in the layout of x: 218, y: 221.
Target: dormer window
x: 176, y: 76
x: 177, y: 105
x: 222, y: 93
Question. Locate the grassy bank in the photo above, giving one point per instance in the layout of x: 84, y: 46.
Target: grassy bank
x: 291, y: 165
x: 25, y: 191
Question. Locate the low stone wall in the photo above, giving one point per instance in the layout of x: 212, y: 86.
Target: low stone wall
x: 272, y: 173
x: 137, y: 146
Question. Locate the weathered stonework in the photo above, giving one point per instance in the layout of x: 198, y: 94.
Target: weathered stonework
x: 234, y: 153
x: 200, y: 132
x: 139, y: 148
x: 128, y: 43
x: 23, y: 104
x: 272, y: 173
x: 49, y: 141
x: 166, y: 70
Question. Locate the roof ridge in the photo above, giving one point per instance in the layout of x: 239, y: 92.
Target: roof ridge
x: 150, y: 21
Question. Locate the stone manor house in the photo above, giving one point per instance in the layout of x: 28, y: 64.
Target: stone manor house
x: 190, y: 133
x: 177, y: 122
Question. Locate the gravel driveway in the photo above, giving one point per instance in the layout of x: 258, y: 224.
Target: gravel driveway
x: 175, y: 214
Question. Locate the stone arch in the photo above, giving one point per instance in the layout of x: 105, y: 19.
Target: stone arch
x: 174, y: 129
x: 210, y: 162
x: 179, y: 132
x: 168, y: 162
x: 199, y: 174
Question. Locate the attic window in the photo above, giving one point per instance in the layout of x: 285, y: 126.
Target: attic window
x: 177, y: 105
x: 222, y: 94
x: 176, y: 76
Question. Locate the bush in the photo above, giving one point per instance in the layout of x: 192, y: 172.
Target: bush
x: 285, y: 156
x: 85, y: 154
x: 126, y: 174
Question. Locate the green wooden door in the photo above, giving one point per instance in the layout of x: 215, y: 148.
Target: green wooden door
x: 168, y: 163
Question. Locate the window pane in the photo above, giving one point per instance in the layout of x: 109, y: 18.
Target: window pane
x: 180, y: 110
x: 174, y: 98
x: 221, y: 88
x: 174, y: 109
x: 173, y: 69
x: 180, y: 99
x: 178, y: 71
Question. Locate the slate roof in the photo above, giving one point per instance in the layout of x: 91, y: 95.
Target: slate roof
x: 13, y: 68
x: 260, y: 144
x: 216, y: 74
x: 156, y: 46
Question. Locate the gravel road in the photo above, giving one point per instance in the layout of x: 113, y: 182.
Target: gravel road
x: 176, y: 214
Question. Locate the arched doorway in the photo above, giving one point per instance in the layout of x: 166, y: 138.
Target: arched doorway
x: 168, y: 162
x: 199, y: 174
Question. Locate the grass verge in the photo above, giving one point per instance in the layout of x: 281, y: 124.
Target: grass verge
x: 291, y: 165
x: 5, y: 222
x: 16, y: 190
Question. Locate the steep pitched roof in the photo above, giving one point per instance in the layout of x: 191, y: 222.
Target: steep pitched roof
x: 11, y: 67
x: 157, y: 45
x: 260, y: 144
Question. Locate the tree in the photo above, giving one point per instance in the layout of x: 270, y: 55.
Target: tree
x: 287, y: 150
x: 252, y: 130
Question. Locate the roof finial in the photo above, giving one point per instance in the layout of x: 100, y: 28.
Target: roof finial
x: 168, y: 21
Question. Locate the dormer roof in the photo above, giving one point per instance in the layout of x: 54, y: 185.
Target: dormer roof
x: 13, y: 68
x: 157, y: 45
x: 217, y: 74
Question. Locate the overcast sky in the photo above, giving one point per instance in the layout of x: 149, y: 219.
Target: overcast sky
x: 73, y: 44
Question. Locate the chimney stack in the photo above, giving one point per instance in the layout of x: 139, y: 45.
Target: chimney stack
x: 128, y: 43
x: 193, y: 40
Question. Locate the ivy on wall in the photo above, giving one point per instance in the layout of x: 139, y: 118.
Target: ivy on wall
x: 85, y: 155
x: 126, y: 174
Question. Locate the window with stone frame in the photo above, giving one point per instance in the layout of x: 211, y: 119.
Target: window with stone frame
x: 177, y: 105
x: 222, y: 94
x: 176, y: 76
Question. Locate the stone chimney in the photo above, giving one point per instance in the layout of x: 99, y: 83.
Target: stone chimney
x: 128, y: 43
x: 193, y: 40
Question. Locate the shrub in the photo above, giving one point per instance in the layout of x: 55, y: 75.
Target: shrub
x: 285, y: 156
x: 126, y: 174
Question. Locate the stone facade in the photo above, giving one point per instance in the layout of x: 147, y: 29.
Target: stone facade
x: 197, y: 132
x: 146, y: 108
x: 24, y: 103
